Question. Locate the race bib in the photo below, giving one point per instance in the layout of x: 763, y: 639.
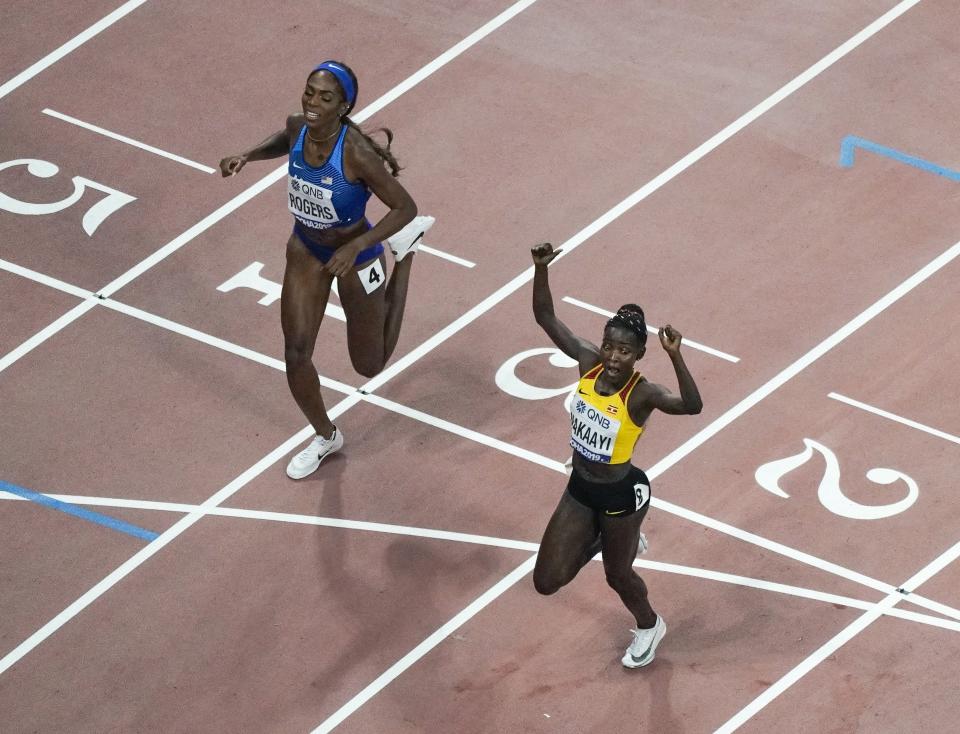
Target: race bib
x: 372, y: 276
x: 592, y: 431
x: 311, y: 204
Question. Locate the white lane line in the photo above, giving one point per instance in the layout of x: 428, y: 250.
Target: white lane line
x: 809, y: 358
x: 797, y: 555
x: 46, y: 280
x: 789, y: 590
x: 894, y: 417
x: 74, y: 43
x: 155, y: 546
x: 196, y: 335
x: 431, y: 343
x: 838, y: 641
x: 533, y: 457
x: 653, y: 330
x: 643, y: 192
x: 468, y: 433
x: 129, y: 141
x: 383, y: 680
x: 242, y: 198
x: 447, y: 256
x: 41, y: 336
x: 288, y: 446
x: 484, y: 540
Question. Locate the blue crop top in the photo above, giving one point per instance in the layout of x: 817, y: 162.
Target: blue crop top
x: 322, y: 197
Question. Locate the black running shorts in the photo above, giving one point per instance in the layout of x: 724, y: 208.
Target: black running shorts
x: 614, y: 499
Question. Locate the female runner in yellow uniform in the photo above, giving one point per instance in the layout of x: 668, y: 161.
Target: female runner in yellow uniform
x: 606, y: 497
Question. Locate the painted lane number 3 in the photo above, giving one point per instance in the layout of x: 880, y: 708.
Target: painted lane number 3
x: 93, y: 217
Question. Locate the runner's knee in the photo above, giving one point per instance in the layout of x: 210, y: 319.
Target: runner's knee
x: 545, y: 585
x: 296, y: 353
x: 366, y: 366
x: 550, y: 581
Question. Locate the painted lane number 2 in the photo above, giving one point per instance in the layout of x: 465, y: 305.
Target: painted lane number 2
x: 829, y: 493
x: 93, y: 217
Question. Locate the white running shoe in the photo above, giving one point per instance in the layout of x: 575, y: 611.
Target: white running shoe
x: 407, y: 240
x: 308, y: 460
x: 644, y: 645
x: 643, y: 546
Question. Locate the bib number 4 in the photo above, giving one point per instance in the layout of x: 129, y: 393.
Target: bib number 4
x: 372, y: 276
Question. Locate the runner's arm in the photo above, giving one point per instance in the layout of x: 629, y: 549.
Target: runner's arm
x: 586, y: 354
x: 659, y: 397
x: 275, y: 146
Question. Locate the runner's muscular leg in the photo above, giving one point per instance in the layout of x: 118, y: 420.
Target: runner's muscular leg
x: 620, y: 538
x: 569, y: 542
x: 374, y: 318
x: 306, y: 288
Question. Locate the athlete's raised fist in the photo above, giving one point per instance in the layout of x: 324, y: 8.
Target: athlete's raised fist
x: 670, y: 338
x: 543, y: 253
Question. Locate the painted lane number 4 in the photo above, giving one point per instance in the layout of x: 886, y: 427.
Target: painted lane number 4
x: 93, y: 217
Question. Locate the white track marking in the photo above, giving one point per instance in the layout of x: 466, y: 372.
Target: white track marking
x: 513, y: 450
x: 447, y: 256
x: 470, y: 611
x: 809, y: 358
x: 74, y: 43
x: 41, y: 336
x: 443, y: 59
x: 653, y: 330
x: 533, y: 457
x: 196, y: 335
x: 155, y: 546
x: 281, y: 171
x: 778, y: 588
x: 643, y: 192
x: 838, y: 641
x: 129, y: 141
x: 796, y: 555
x: 467, y: 433
x: 894, y: 417
x: 483, y: 540
x: 426, y: 347
x: 183, y: 524
x: 243, y: 197
x: 44, y: 279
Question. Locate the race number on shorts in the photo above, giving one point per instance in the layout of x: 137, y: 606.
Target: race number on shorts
x: 372, y: 276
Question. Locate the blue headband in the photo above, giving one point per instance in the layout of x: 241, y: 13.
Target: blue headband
x: 342, y: 76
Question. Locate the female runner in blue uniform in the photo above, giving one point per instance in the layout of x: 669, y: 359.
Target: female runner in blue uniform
x: 334, y: 166
x: 606, y: 497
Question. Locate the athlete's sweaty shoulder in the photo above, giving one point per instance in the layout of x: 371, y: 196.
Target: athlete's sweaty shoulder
x: 643, y: 399
x: 358, y: 153
x: 295, y: 123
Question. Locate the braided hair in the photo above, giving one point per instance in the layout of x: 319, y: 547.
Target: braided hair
x: 630, y: 317
x: 383, y: 151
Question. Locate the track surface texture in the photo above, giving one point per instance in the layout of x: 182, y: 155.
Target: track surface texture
x: 777, y: 179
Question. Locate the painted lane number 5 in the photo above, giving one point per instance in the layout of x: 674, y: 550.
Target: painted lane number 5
x: 94, y: 216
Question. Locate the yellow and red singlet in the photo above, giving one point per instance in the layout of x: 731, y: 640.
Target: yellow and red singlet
x: 600, y: 425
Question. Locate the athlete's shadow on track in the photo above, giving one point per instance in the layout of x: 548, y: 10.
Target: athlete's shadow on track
x: 382, y: 604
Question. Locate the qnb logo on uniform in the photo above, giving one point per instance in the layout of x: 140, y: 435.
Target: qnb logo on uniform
x: 592, y: 432
x: 311, y: 204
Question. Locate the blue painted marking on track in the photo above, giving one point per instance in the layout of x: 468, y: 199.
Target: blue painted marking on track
x: 852, y: 142
x: 110, y: 522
